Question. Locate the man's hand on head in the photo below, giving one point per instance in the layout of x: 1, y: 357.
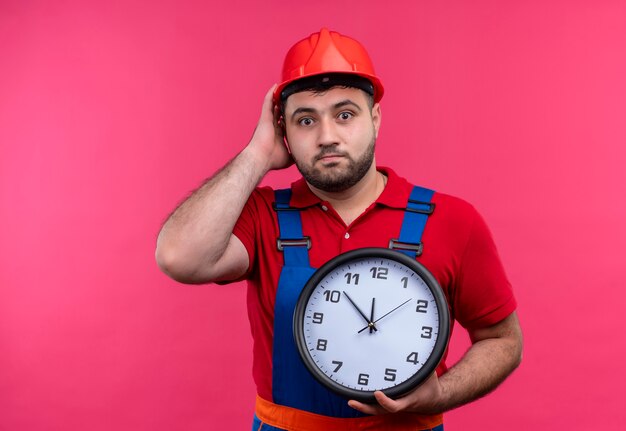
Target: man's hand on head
x: 268, y: 139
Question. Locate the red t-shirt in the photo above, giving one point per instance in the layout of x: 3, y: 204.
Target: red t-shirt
x: 458, y: 250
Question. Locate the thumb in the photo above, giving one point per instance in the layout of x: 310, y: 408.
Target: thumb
x: 387, y: 403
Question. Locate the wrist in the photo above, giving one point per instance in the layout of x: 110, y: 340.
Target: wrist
x: 256, y: 159
x: 451, y: 392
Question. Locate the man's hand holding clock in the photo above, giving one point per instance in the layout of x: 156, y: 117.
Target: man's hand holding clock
x: 426, y: 399
x: 476, y: 374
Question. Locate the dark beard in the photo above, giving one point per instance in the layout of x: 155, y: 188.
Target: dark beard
x: 342, y: 181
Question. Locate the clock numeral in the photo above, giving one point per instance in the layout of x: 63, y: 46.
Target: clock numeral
x: 427, y: 332
x: 390, y: 374
x: 422, y: 305
x: 405, y: 281
x: 412, y: 358
x: 379, y: 272
x: 321, y: 344
x: 318, y: 317
x: 339, y: 364
x: 352, y: 277
x: 332, y: 295
x: 364, y: 379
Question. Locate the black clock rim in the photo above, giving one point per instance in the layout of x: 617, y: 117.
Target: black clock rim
x: 432, y: 362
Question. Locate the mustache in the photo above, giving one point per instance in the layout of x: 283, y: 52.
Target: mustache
x: 329, y: 151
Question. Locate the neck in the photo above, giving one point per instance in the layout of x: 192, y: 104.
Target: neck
x: 352, y: 202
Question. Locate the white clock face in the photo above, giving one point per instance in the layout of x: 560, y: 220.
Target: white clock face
x: 372, y: 323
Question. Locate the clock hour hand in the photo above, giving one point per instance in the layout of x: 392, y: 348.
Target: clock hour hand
x: 384, y: 315
x: 370, y: 324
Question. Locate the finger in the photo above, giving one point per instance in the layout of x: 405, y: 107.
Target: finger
x: 268, y: 103
x: 387, y: 403
x: 270, y: 93
x: 278, y: 120
x: 368, y: 409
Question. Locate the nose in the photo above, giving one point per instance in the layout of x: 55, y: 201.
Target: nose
x: 327, y: 133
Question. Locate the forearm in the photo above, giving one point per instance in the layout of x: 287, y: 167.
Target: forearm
x: 196, y: 244
x: 196, y: 234
x: 485, y: 365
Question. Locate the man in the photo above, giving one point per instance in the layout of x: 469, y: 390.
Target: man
x: 325, y: 117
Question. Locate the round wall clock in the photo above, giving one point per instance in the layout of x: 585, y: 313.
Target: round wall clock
x: 371, y: 319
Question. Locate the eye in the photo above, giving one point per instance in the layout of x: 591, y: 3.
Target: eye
x: 345, y: 115
x: 305, y: 121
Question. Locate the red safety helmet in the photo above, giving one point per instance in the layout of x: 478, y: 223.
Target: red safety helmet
x: 328, y: 52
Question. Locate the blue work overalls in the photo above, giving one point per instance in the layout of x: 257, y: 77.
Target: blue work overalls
x: 292, y: 385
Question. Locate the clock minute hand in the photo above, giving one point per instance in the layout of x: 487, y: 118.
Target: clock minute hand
x: 386, y: 314
x: 370, y: 324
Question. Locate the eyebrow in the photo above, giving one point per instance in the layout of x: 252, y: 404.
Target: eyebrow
x: 338, y: 105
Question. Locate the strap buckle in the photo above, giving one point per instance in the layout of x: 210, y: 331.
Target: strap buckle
x: 430, y: 207
x: 281, y: 243
x: 418, y: 248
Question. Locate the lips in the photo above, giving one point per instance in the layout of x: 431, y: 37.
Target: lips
x: 329, y: 157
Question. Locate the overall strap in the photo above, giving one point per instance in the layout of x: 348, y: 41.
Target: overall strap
x: 416, y: 214
x: 291, y: 242
x: 292, y: 385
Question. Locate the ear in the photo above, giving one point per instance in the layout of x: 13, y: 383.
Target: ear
x: 283, y: 126
x: 280, y: 123
x: 376, y: 118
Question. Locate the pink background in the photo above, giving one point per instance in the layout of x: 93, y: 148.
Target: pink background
x: 112, y: 111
